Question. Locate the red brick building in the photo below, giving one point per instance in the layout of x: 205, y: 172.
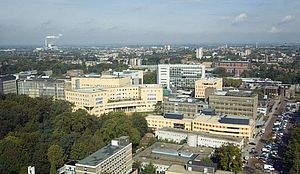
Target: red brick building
x: 233, y: 67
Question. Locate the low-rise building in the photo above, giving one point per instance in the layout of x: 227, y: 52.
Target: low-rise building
x: 234, y: 126
x: 195, y: 139
x: 235, y: 103
x: 239, y: 127
x: 169, y: 120
x: 202, y: 84
x: 74, y: 72
x: 164, y: 155
x: 42, y: 87
x: 8, y: 84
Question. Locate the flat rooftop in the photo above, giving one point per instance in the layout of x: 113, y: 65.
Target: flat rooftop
x: 160, y: 117
x: 148, y: 156
x: 235, y: 93
x: 223, y: 119
x: 204, y: 134
x: 7, y: 77
x: 89, y: 90
x: 209, y: 119
x: 100, y: 155
x: 180, y: 169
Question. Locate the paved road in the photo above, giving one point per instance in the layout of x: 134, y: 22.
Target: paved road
x: 277, y: 109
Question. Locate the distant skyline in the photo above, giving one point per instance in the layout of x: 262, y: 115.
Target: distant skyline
x: 93, y: 22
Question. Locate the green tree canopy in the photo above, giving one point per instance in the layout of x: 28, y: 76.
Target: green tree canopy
x: 149, y: 169
x: 228, y: 158
x: 56, y: 157
x: 150, y: 77
x: 292, y: 153
x: 30, y: 126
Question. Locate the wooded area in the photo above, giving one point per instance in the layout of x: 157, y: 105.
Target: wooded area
x: 44, y: 133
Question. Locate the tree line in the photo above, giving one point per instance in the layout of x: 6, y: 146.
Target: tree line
x: 292, y: 152
x: 44, y: 133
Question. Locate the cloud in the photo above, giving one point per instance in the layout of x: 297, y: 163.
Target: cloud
x: 239, y: 18
x: 275, y: 30
x: 286, y: 19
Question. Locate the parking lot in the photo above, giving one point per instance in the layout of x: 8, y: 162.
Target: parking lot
x: 266, y: 155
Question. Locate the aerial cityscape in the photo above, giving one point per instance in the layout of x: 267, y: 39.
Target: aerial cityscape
x: 149, y: 87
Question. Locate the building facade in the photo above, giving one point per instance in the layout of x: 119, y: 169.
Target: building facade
x: 199, y: 53
x: 202, y: 84
x: 238, y: 103
x: 113, y: 158
x: 179, y: 75
x: 186, y: 106
x: 135, y: 62
x: 195, y: 139
x: 42, y: 87
x: 234, y: 67
x: 105, y: 81
x: 8, y: 84
x: 97, y: 101
x: 74, y: 72
x: 222, y: 126
x: 136, y: 76
x: 156, y: 122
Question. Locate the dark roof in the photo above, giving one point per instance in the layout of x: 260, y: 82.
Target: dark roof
x: 234, y: 120
x: 101, y: 155
x: 240, y: 93
x: 173, y: 116
x: 72, y: 162
x: 7, y: 77
x: 208, y: 111
x: 105, y: 152
x: 200, y: 163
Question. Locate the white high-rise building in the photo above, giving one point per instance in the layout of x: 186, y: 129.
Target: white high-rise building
x: 247, y: 52
x: 179, y: 75
x: 135, y: 62
x: 199, y: 53
x: 168, y: 47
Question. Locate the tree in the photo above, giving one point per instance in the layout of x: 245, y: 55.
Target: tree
x: 149, y: 169
x: 232, y: 82
x: 56, y: 157
x: 150, y: 77
x: 206, y: 160
x: 29, y: 127
x: 292, y: 153
x: 228, y: 157
x: 137, y: 165
x: 221, y: 72
x: 139, y: 121
x: 158, y: 108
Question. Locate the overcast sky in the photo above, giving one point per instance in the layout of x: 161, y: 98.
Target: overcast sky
x: 88, y: 22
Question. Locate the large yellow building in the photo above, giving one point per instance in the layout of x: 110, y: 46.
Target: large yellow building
x: 113, y: 95
x: 202, y: 84
x: 239, y: 127
x: 103, y: 82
